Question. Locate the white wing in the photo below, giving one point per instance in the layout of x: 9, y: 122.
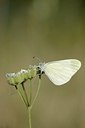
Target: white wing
x: 60, y: 72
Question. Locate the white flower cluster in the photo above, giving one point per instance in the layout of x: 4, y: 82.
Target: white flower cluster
x: 21, y: 76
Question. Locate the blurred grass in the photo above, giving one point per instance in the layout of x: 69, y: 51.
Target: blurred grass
x: 51, y: 30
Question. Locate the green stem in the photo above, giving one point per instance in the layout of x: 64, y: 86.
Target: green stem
x: 29, y: 107
x: 20, y: 94
x: 37, y: 91
x: 29, y: 116
x: 32, y: 103
x: 25, y: 94
x: 30, y: 97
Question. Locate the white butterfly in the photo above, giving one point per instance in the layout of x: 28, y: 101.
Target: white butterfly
x: 60, y: 72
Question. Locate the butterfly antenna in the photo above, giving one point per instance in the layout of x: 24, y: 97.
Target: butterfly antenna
x: 35, y: 57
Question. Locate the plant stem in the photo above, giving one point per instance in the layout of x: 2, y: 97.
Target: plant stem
x: 37, y: 91
x: 25, y: 94
x: 30, y: 97
x: 30, y: 107
x: 29, y: 116
x: 21, y: 95
x: 31, y: 103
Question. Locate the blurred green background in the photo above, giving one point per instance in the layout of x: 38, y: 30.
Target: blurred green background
x: 50, y: 30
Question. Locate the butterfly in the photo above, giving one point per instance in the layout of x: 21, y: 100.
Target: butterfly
x: 59, y: 72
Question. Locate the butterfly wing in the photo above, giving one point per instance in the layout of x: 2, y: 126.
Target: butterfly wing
x: 60, y: 72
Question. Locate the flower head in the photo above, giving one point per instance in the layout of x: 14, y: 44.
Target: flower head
x: 21, y: 76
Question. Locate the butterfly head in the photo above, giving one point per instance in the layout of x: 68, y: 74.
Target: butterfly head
x: 40, y: 68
